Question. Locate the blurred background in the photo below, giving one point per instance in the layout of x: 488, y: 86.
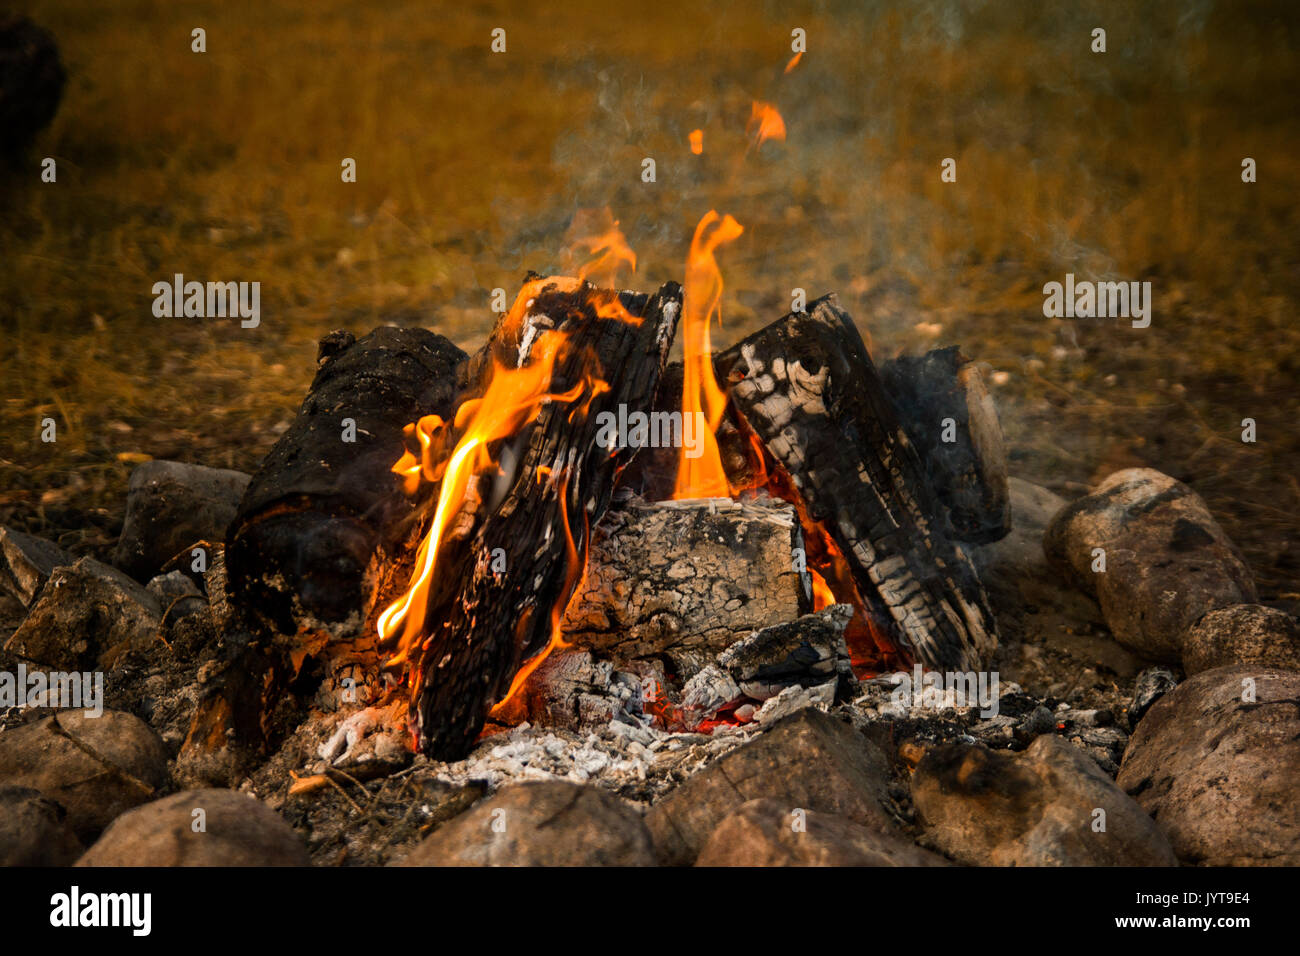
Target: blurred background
x: 471, y: 165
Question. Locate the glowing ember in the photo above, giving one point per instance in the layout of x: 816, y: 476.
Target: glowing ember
x: 794, y: 61
x: 697, y: 141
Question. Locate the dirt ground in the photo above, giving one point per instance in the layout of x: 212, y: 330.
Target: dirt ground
x: 471, y: 165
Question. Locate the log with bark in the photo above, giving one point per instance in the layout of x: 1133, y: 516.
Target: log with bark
x: 806, y: 386
x: 943, y: 404
x: 323, y: 515
x: 483, y: 625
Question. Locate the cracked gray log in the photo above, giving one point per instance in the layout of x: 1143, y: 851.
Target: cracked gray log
x: 686, y: 579
x: 481, y: 626
x: 968, y: 472
x: 322, y: 515
x: 806, y: 385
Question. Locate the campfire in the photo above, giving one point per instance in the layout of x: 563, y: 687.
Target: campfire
x: 708, y: 533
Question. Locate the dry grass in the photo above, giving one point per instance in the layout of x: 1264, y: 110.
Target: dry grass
x: 226, y: 166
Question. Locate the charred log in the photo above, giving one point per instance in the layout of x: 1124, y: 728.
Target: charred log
x: 323, y: 512
x: 807, y: 388
x: 944, y: 405
x: 483, y: 624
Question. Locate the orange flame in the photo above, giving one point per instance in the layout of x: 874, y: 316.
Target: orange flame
x: 513, y: 399
x: 697, y: 141
x: 703, y: 476
x: 766, y: 122
x: 823, y: 596
x: 794, y: 61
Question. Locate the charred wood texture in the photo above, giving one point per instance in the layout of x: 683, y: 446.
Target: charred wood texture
x: 807, y: 387
x: 322, y: 514
x: 483, y: 626
x: 943, y: 392
x: 683, y: 580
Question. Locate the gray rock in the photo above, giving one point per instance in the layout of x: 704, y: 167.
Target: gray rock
x: 1037, y: 808
x: 1242, y: 634
x: 94, y: 767
x: 199, y: 828
x: 551, y: 823
x: 808, y: 760
x: 770, y: 833
x: 1168, y: 562
x: 34, y: 830
x: 86, y: 615
x: 170, y: 506
x: 1219, y: 773
x: 26, y: 563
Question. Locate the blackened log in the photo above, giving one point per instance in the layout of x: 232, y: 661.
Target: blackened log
x: 944, y: 405
x: 483, y: 626
x: 808, y: 388
x: 322, y: 515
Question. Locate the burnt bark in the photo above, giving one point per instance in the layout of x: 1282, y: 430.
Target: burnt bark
x: 943, y: 404
x: 482, y: 626
x: 808, y: 388
x: 322, y: 515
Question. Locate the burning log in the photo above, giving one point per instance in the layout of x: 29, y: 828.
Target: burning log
x: 514, y: 555
x: 807, y: 388
x: 684, y: 580
x: 944, y: 406
x: 324, y: 511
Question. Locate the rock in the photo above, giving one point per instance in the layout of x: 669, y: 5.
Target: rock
x: 1219, y: 773
x: 1037, y: 808
x: 26, y: 563
x: 85, y: 616
x: 1035, y: 603
x: 170, y: 506
x: 34, y: 830
x: 177, y: 595
x: 769, y: 833
x: 808, y: 760
x: 1242, y: 634
x: 1152, y: 684
x: 552, y: 823
x: 1168, y: 562
x: 199, y: 828
x: 95, y: 767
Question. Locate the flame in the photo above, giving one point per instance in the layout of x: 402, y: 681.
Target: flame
x: 697, y: 141
x: 794, y: 61
x: 766, y: 122
x: 703, y: 477
x: 513, y: 399
x: 823, y: 596
x: 595, y: 232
